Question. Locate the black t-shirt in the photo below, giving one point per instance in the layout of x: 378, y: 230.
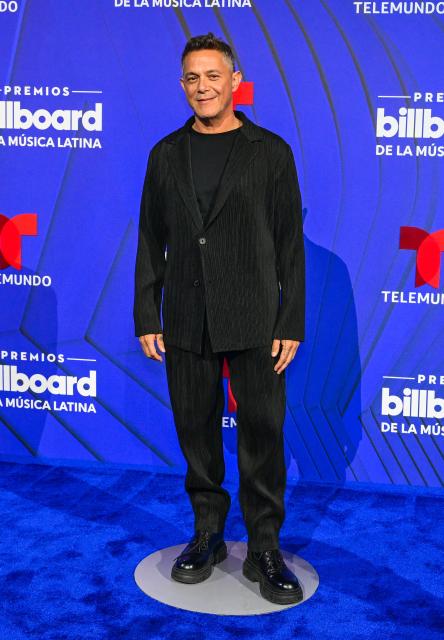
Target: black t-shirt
x: 209, y: 154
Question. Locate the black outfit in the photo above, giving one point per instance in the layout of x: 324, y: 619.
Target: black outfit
x: 196, y: 390
x: 209, y: 155
x: 244, y: 264
x: 252, y: 188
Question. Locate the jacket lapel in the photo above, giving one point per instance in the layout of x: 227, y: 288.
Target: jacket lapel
x: 243, y: 151
x: 180, y: 161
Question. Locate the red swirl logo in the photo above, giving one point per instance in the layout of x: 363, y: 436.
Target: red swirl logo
x: 428, y: 247
x: 11, y: 232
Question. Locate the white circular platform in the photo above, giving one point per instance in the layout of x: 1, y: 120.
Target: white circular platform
x: 226, y: 591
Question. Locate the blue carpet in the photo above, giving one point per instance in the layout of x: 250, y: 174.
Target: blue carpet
x: 71, y: 537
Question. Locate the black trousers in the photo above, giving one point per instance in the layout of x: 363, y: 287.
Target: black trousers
x: 197, y: 397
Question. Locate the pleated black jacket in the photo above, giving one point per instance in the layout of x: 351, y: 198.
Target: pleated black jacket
x: 246, y: 264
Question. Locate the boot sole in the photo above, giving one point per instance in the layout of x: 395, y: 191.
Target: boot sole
x: 267, y: 592
x: 187, y: 577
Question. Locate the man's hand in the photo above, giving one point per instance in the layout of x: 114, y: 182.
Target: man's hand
x: 148, y: 347
x: 289, y: 348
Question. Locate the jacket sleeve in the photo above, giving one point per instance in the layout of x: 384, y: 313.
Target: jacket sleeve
x: 150, y: 259
x: 290, y: 252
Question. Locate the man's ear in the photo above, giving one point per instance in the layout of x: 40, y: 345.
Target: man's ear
x: 236, y: 80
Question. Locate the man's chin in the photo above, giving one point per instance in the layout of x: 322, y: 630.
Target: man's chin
x: 205, y: 116
x: 206, y: 111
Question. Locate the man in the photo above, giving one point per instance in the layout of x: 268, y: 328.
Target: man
x: 222, y: 195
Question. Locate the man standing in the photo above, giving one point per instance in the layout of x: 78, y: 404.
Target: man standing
x: 221, y: 197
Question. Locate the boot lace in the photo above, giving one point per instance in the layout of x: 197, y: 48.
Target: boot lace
x: 199, y: 544
x: 273, y: 560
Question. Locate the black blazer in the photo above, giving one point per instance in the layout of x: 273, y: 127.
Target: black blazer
x: 246, y: 265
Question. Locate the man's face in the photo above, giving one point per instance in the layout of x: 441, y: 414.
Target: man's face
x: 208, y: 82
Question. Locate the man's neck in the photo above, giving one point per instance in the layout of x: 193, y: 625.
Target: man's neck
x: 234, y: 124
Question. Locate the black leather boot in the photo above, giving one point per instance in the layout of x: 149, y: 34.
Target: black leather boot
x: 277, y: 583
x: 196, y: 561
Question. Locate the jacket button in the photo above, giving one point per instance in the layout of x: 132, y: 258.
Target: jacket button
x: 196, y: 283
x: 202, y: 240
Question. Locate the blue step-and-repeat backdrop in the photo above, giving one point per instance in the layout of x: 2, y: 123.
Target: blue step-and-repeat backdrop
x: 357, y: 89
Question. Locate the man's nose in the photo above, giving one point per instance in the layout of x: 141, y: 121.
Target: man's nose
x: 202, y: 85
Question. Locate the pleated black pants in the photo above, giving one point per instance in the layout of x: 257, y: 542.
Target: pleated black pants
x: 197, y: 398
